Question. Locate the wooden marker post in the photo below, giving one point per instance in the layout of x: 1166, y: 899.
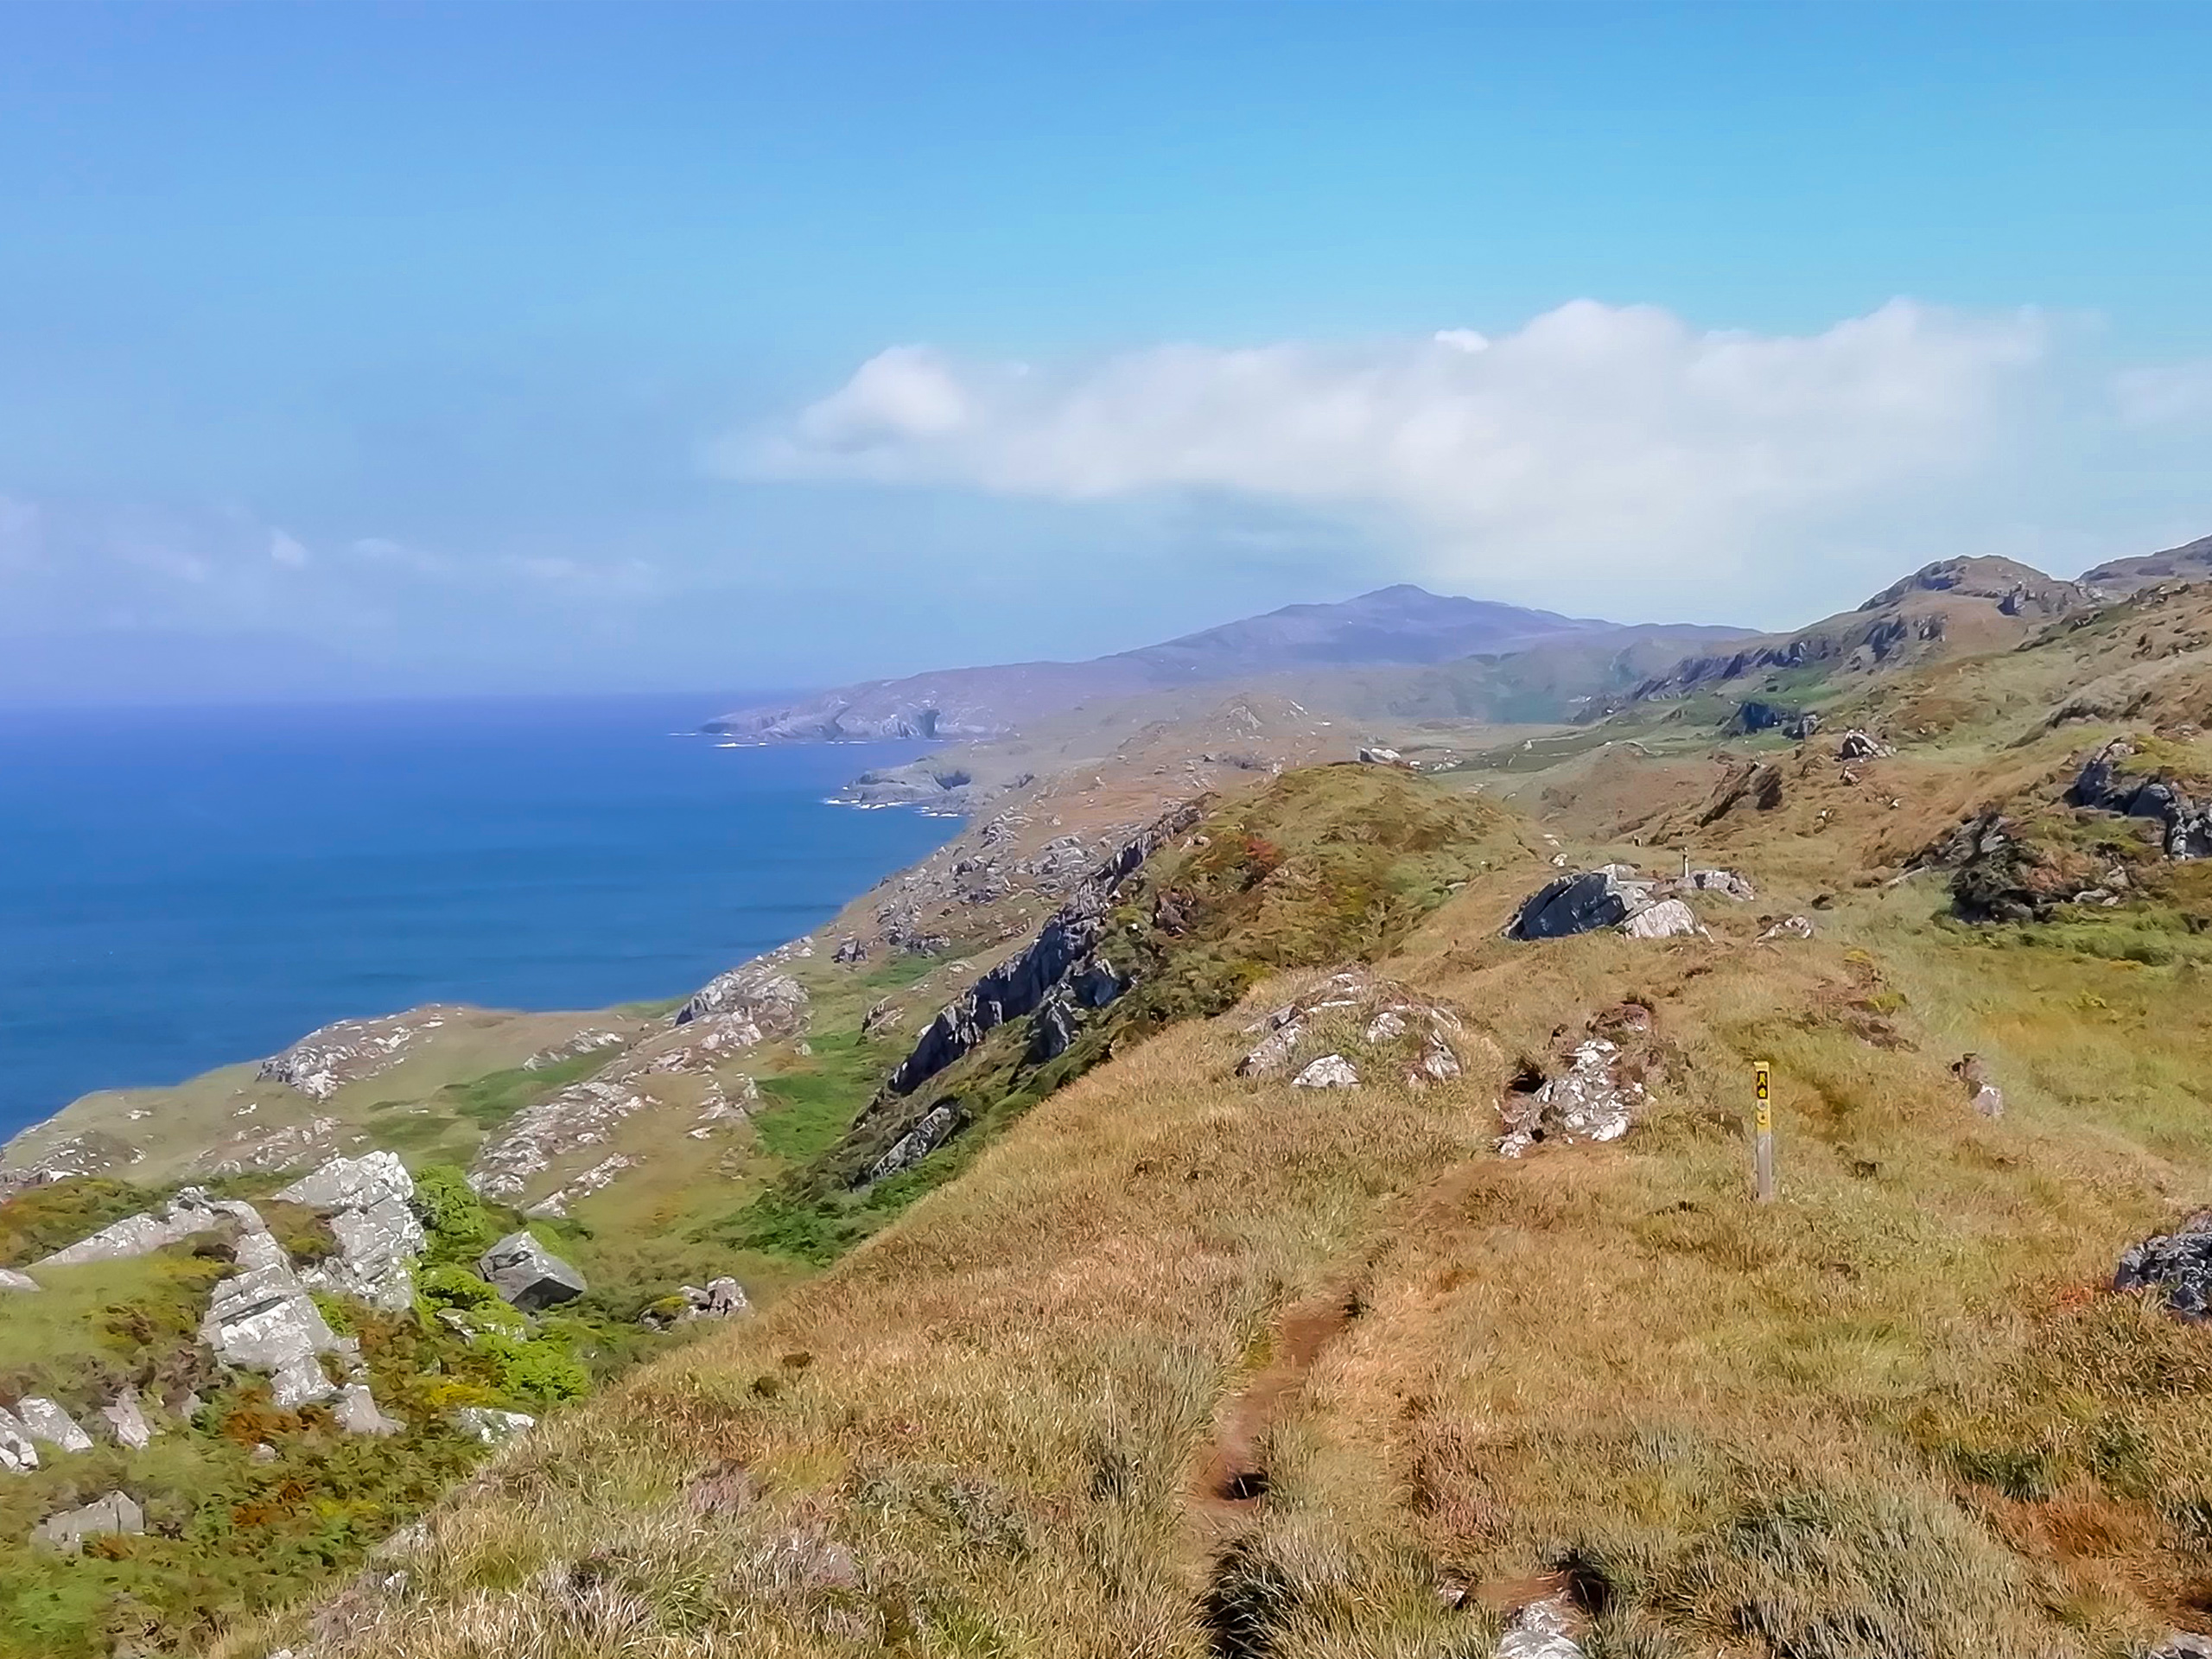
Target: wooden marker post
x: 1762, y: 1166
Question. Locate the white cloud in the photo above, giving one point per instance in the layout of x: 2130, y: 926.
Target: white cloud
x: 285, y: 549
x: 1593, y: 441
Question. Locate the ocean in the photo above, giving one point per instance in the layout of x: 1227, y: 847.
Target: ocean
x: 186, y: 888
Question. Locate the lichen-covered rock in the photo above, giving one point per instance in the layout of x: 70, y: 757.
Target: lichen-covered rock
x: 2107, y: 783
x: 1861, y: 746
x: 1330, y: 1071
x: 528, y: 1275
x: 1387, y: 1028
x: 1974, y: 1071
x: 2177, y: 1265
x: 368, y: 1200
x: 118, y: 1512
x: 263, y: 1320
x: 45, y: 1419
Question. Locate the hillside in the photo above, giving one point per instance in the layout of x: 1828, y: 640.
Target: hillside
x: 2191, y: 562
x: 1487, y: 1340
x: 1183, y: 1217
x: 1399, y: 625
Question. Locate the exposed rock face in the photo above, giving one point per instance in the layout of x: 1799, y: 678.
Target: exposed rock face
x: 45, y: 1421
x: 17, y: 1454
x: 2182, y: 1644
x: 528, y: 1275
x: 11, y: 1280
x: 1616, y: 897
x: 326, y: 1060
x: 263, y: 1319
x: 1061, y: 950
x: 2108, y: 784
x: 1581, y: 903
x: 1598, y: 1097
x: 759, y: 990
x: 491, y: 1427
x: 753, y: 1003
x: 118, y: 1512
x: 1330, y: 1071
x: 885, y: 1016
x: 1052, y: 1032
x: 718, y: 1299
x: 1789, y: 927
x: 379, y: 1236
x: 937, y: 1127
x: 2178, y: 1265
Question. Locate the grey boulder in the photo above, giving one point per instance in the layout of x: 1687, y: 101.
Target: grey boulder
x: 490, y: 1425
x: 528, y: 1275
x: 1581, y: 903
x: 11, y: 1280
x: 358, y: 1412
x: 126, y: 1421
x: 118, y: 1512
x: 17, y: 1455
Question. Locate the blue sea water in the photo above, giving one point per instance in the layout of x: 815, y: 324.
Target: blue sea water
x: 184, y: 888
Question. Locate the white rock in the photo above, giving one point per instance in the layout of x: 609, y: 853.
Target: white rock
x: 1330, y: 1071
x: 1541, y: 1631
x: 17, y: 1455
x: 126, y: 1421
x: 1670, y: 918
x: 1789, y: 927
x: 48, y: 1421
x: 11, y: 1280
x: 358, y: 1412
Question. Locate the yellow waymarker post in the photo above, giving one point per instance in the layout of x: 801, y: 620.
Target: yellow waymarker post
x: 1765, y: 1165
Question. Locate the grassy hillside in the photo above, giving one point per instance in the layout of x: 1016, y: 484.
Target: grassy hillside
x: 1191, y: 1363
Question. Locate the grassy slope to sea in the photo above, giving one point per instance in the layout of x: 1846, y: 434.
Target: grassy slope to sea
x: 1896, y: 1411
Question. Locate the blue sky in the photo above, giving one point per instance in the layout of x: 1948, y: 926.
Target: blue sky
x: 561, y: 347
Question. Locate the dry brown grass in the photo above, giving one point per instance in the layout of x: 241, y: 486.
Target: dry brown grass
x: 1892, y: 1414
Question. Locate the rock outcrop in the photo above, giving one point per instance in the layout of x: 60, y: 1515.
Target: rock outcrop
x: 1616, y: 897
x: 189, y: 1212
x: 326, y: 1059
x: 1061, y: 951
x: 2177, y: 1265
x: 45, y: 1419
x: 937, y: 1126
x: 753, y: 1003
x: 2109, y: 783
x: 263, y: 1319
x: 11, y: 1280
x: 1391, y: 1030
x: 528, y: 1275
x: 356, y: 1411
x: 126, y: 1421
x: 1542, y: 1630
x: 1600, y: 1094
x: 1862, y: 745
x: 118, y: 1512
x: 367, y: 1202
